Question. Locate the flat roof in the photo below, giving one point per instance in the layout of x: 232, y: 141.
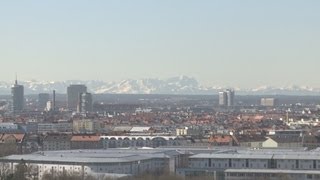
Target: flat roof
x: 139, y: 129
x: 231, y: 156
x: 259, y: 154
x: 93, y: 156
x: 276, y: 171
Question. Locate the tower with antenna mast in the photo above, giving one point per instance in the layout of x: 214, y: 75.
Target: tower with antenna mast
x: 17, y: 94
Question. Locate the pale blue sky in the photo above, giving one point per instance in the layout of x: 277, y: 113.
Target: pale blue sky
x: 233, y: 43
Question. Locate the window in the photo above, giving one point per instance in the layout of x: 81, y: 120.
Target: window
x: 309, y: 176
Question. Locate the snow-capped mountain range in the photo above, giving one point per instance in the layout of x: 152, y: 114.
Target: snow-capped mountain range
x: 174, y: 85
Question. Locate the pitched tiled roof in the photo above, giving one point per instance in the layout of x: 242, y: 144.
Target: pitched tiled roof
x: 18, y: 137
x: 220, y: 139
x: 85, y: 138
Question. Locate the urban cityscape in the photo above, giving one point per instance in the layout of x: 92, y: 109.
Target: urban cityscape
x: 222, y: 136
x: 159, y: 90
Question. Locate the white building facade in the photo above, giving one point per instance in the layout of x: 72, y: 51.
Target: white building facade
x: 97, y: 163
x: 254, y: 163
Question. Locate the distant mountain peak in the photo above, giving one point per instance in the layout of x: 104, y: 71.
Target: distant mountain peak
x: 175, y: 85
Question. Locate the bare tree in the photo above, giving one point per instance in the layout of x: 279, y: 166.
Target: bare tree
x: 20, y: 172
x: 67, y: 176
x: 5, y: 170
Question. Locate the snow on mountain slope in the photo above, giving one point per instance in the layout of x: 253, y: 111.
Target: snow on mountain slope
x: 174, y: 85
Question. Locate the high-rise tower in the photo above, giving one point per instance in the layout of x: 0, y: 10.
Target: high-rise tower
x: 226, y: 98
x: 223, y: 98
x: 230, y: 97
x: 17, y: 93
x: 85, y: 103
x: 73, y: 93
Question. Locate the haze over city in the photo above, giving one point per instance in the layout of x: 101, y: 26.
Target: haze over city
x: 160, y: 90
x: 227, y: 43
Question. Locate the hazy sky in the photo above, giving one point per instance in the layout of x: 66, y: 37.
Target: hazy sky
x: 233, y: 43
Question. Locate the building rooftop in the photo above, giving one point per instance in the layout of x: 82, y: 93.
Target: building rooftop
x: 261, y: 154
x: 140, y: 129
x: 85, y: 138
x: 93, y: 156
x: 273, y: 171
x: 122, y: 128
x: 231, y: 156
x: 58, y: 137
x: 18, y: 137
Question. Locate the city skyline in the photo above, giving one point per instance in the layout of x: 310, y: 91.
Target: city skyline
x: 233, y: 44
x: 163, y: 89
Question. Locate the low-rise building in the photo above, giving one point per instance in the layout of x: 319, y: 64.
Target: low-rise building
x: 141, y: 130
x: 32, y: 143
x: 243, y: 163
x: 87, y: 126
x: 188, y: 131
x: 59, y: 127
x: 98, y: 163
x: 54, y: 142
x: 222, y: 140
x: 86, y: 142
x: 8, y: 127
x: 270, y: 174
x: 288, y: 142
x: 12, y: 142
x: 311, y: 141
x: 252, y: 141
x: 140, y: 141
x: 270, y: 143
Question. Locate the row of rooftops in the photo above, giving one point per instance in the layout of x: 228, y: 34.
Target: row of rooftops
x: 139, y: 154
x: 281, y: 154
x: 96, y: 138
